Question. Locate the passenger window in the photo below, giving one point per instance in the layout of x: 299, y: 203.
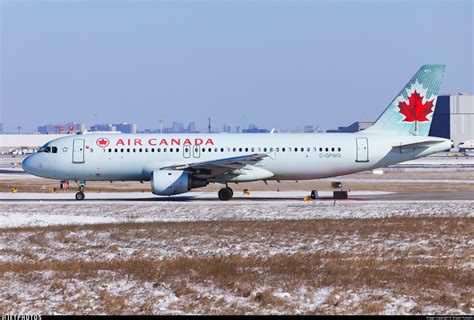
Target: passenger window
x: 277, y: 149
x: 308, y: 149
x: 203, y: 149
x: 246, y: 149
x: 110, y: 150
x: 264, y: 149
x: 234, y: 149
x: 164, y: 149
x: 140, y: 150
x: 339, y: 149
x: 296, y: 149
x: 146, y: 149
x: 121, y: 150
x: 271, y: 149
x: 320, y: 149
x: 332, y: 149
x: 128, y: 149
x: 210, y: 149
x: 253, y: 149
x: 283, y: 149
x: 152, y: 150
x: 134, y: 150
x: 215, y: 149
x: 177, y: 149
x: 240, y: 149
x: 327, y: 149
x: 171, y: 149
x: 54, y: 149
x: 115, y: 150
x: 222, y: 149
x: 302, y: 149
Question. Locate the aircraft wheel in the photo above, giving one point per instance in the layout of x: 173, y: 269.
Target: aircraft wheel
x: 225, y: 194
x: 80, y: 195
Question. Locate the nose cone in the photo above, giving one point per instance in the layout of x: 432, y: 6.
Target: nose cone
x: 28, y: 164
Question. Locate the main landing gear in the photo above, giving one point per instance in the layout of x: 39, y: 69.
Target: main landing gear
x: 225, y: 194
x: 80, y: 194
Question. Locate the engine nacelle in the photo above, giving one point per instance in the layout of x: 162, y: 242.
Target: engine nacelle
x: 170, y: 182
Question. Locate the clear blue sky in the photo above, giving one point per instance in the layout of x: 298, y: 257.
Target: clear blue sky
x: 278, y: 64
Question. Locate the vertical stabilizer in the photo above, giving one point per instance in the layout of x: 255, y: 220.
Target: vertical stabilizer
x: 411, y: 112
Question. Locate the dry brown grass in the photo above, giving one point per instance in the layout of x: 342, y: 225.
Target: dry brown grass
x: 430, y: 274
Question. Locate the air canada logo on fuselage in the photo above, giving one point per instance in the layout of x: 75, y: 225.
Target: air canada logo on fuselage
x: 102, y: 142
x: 164, y: 142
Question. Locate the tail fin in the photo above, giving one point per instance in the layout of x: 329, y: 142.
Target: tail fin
x: 411, y: 112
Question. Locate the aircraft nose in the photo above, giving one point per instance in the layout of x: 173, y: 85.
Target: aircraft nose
x: 28, y: 164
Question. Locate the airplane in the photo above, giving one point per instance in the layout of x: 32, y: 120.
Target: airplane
x: 177, y: 163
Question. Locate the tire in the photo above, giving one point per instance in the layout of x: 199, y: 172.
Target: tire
x: 225, y: 194
x: 80, y: 195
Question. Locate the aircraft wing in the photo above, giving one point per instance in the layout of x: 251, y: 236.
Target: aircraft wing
x: 416, y: 145
x: 215, y: 168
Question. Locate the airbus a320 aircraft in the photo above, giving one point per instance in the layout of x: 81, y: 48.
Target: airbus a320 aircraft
x: 177, y: 163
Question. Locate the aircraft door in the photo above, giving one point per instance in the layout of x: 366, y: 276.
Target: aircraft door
x: 78, y: 151
x: 362, y: 154
x: 196, y: 151
x: 187, y: 151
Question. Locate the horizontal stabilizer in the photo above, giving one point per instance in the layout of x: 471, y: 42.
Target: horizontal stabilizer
x: 416, y: 145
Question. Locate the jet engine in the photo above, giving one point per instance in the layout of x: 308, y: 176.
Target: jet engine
x: 170, y: 182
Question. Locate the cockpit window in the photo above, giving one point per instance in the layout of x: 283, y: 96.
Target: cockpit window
x: 48, y: 149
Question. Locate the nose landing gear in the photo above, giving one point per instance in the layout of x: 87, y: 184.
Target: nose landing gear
x: 225, y: 194
x: 80, y: 194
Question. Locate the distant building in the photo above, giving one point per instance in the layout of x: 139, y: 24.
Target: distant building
x: 73, y: 127
x: 126, y: 127
x: 454, y: 117
x: 192, y: 127
x: 308, y: 129
x: 103, y: 127
x: 50, y: 129
x: 177, y: 127
x: 254, y: 129
x: 20, y: 144
x: 1, y: 128
x: 227, y: 128
x: 355, y: 127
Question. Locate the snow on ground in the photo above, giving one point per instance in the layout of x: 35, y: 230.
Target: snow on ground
x: 30, y: 209
x: 85, y: 296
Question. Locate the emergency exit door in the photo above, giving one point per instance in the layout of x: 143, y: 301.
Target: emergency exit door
x: 78, y: 151
x: 362, y: 154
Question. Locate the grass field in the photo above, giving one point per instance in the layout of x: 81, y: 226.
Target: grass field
x: 394, y: 265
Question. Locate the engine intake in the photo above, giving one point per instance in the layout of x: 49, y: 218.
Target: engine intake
x: 170, y: 182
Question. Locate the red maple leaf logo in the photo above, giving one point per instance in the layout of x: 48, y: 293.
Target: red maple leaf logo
x: 416, y: 110
x: 102, y: 142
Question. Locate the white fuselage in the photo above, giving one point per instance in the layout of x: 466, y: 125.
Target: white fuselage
x: 110, y: 157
